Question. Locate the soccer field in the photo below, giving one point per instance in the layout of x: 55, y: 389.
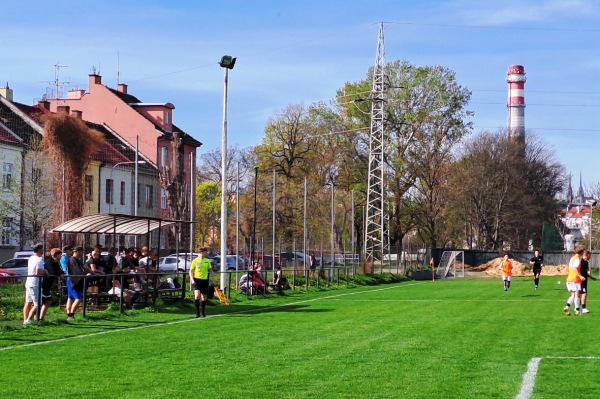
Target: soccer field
x: 444, y: 339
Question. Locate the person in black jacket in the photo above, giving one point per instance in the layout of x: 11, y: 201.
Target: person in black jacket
x: 76, y: 281
x: 584, y: 269
x: 52, y: 265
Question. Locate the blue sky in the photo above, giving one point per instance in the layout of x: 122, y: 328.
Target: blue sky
x: 291, y: 52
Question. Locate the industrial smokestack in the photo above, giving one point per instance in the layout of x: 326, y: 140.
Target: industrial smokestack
x: 515, y: 77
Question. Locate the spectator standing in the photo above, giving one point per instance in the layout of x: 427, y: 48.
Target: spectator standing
x: 585, y: 272
x: 200, y: 272
x: 506, y: 266
x: 35, y: 268
x: 574, y: 279
x: 536, y: 262
x: 312, y: 263
x: 67, y: 252
x: 76, y: 281
x: 53, y: 270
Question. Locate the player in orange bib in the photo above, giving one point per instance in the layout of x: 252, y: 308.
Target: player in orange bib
x: 506, y: 266
x: 574, y: 279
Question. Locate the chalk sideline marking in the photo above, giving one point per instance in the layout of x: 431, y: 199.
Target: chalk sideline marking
x: 532, y: 368
x: 194, y: 319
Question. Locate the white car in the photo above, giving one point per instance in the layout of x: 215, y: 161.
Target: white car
x: 171, y: 264
x: 16, y: 265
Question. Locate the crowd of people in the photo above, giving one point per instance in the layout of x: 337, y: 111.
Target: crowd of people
x: 125, y: 273
x: 121, y: 273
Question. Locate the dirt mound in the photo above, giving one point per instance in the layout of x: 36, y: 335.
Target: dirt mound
x: 520, y: 269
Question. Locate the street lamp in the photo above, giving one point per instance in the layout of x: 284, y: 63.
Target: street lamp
x: 253, y: 238
x: 592, y: 203
x: 227, y: 63
x: 136, y: 163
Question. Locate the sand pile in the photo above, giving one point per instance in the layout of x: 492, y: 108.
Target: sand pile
x: 520, y: 269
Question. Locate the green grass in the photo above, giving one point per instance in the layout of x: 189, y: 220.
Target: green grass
x: 448, y: 339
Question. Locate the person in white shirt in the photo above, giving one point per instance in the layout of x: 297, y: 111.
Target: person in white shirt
x: 35, y: 268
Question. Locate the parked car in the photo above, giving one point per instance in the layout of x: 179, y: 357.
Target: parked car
x: 231, y: 262
x: 23, y: 254
x: 171, y: 264
x: 16, y: 265
x: 297, y: 258
x: 8, y: 276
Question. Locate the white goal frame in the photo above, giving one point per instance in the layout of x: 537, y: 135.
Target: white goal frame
x: 448, y: 263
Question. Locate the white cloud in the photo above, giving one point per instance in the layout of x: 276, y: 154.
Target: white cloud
x: 497, y: 13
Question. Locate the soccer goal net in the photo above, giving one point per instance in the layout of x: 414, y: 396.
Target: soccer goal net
x: 451, y: 264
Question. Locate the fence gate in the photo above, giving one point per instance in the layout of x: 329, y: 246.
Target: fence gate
x: 448, y: 264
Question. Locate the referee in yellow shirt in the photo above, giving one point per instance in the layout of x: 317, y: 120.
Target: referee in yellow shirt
x: 200, y: 271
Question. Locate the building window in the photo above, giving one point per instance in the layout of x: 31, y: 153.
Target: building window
x: 7, y: 175
x: 149, y: 196
x: 163, y: 198
x: 122, y: 199
x: 6, y: 231
x: 164, y: 159
x: 167, y: 117
x: 109, y: 191
x: 89, y: 187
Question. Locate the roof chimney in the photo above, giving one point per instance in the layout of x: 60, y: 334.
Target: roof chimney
x: 63, y: 108
x: 122, y: 87
x: 44, y: 104
x: 77, y: 113
x: 95, y: 79
x: 6, y: 92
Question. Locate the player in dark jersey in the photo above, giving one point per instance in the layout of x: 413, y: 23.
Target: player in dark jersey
x: 536, y: 262
x: 584, y: 269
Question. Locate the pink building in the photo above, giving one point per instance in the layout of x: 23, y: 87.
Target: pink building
x: 148, y: 125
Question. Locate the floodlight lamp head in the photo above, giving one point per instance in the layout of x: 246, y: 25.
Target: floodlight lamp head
x: 227, y: 61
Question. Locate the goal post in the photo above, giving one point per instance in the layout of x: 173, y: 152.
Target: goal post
x: 451, y: 264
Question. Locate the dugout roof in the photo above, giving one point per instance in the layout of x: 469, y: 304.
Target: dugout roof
x: 108, y: 223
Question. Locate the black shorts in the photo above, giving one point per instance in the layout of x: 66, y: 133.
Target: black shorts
x: 537, y: 270
x: 201, y: 285
x: 584, y: 287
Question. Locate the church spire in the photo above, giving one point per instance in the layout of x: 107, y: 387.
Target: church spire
x: 580, y: 195
x: 570, y: 189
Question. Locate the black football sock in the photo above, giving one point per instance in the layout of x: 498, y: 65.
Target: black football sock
x: 197, y: 303
x: 203, y: 308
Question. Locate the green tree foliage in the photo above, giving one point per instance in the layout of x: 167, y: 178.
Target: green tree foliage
x: 425, y: 120
x: 208, y: 213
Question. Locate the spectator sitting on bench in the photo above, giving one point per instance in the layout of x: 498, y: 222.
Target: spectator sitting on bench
x: 280, y: 281
x: 147, y: 264
x: 251, y: 282
x: 128, y: 295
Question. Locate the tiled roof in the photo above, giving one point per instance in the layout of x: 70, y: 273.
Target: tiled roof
x: 8, y: 138
x: 130, y: 99
x: 16, y: 123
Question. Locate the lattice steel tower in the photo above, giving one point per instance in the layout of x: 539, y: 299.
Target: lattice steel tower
x: 374, y: 220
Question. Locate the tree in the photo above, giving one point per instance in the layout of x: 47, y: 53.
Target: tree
x: 499, y: 196
x: 36, y: 205
x: 425, y: 120
x: 60, y: 132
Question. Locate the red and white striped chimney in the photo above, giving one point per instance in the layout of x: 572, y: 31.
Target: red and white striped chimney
x: 515, y: 77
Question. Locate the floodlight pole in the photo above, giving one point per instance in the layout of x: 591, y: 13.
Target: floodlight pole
x: 226, y: 63
x: 253, y: 238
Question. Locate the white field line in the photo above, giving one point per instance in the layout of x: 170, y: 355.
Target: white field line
x: 532, y: 369
x: 478, y: 300
x: 194, y: 319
